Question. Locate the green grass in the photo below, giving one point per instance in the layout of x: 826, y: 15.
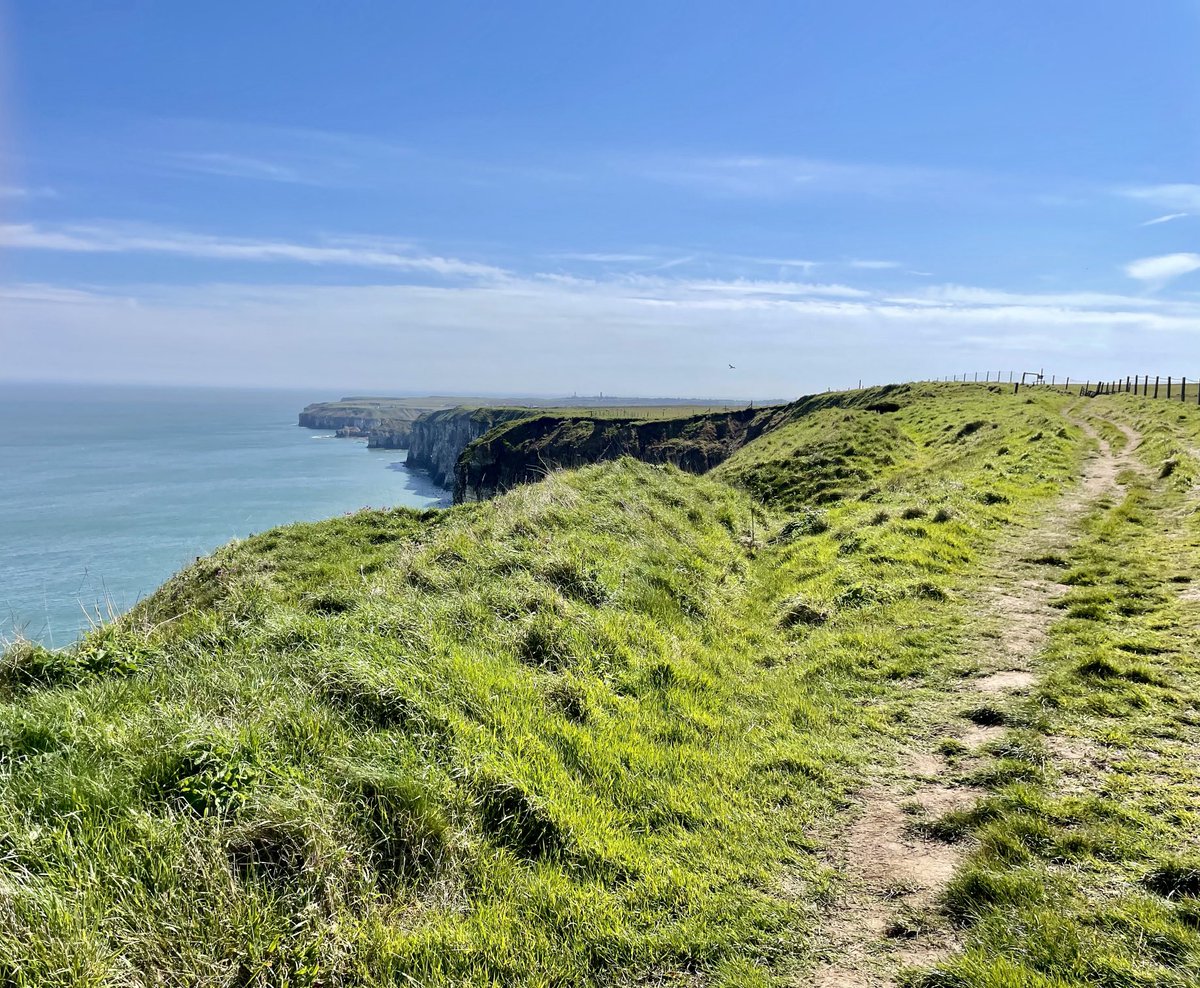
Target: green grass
x: 1087, y: 869
x: 595, y: 730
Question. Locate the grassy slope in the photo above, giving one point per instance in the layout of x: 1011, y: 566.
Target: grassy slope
x: 589, y: 730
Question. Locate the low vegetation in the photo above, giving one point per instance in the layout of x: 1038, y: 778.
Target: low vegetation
x: 601, y: 729
x: 1086, y: 861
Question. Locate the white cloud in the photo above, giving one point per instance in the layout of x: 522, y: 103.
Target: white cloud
x: 1165, y: 219
x: 601, y: 258
x: 1178, y: 195
x: 766, y: 176
x: 347, y: 253
x: 1158, y: 271
x: 238, y: 166
x: 24, y: 192
x: 951, y: 295
x: 642, y: 334
x: 875, y: 265
x: 782, y: 262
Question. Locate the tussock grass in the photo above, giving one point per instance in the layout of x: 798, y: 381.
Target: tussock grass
x: 575, y: 735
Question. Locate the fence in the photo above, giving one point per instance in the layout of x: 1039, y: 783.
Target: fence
x: 1168, y: 387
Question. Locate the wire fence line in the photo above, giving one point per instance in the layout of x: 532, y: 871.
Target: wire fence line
x: 1181, y: 388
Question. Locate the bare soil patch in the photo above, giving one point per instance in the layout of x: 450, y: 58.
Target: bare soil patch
x: 1006, y: 681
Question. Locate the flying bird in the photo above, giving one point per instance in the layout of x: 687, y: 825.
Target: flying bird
x: 731, y: 367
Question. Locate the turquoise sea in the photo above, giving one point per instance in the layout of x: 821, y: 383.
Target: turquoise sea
x: 106, y: 491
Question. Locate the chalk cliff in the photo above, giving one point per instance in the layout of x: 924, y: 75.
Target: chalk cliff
x: 438, y: 438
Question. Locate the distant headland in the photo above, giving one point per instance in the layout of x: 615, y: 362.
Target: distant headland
x: 479, y: 446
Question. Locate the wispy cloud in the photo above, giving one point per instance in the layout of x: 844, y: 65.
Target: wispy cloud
x: 239, y: 166
x: 346, y: 253
x: 25, y: 192
x: 783, y: 262
x: 602, y: 258
x: 642, y: 334
x: 1157, y: 271
x: 875, y: 265
x: 759, y: 176
x: 1179, y: 195
x: 1165, y: 219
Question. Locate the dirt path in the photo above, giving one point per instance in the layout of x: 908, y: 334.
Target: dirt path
x: 886, y: 918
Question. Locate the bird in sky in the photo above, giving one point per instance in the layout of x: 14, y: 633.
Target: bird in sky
x: 731, y: 367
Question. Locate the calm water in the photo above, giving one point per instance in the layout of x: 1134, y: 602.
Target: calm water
x: 105, y: 492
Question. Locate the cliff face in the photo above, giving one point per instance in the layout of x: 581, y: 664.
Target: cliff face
x: 390, y: 434
x: 384, y: 421
x: 438, y: 438
x: 317, y: 418
x: 526, y: 450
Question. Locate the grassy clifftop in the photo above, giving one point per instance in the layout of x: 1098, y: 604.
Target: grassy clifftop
x: 598, y: 729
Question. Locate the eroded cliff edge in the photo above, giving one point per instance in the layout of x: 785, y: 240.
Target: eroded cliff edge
x: 525, y: 450
x: 385, y: 423
x: 482, y: 452
x: 437, y: 439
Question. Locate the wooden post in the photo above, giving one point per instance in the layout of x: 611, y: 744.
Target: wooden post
x: 1183, y: 389
x: 1068, y: 384
x: 1155, y: 385
x: 1010, y: 377
x: 1168, y: 387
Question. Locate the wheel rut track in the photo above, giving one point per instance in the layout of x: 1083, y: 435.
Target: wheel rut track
x: 886, y: 917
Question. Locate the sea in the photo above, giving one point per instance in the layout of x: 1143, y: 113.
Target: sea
x: 105, y: 491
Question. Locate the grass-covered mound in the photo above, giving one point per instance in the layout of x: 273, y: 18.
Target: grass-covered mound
x: 592, y: 730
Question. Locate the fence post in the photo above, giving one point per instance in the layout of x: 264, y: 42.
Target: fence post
x: 1155, y: 385
x: 1183, y: 389
x: 1168, y: 386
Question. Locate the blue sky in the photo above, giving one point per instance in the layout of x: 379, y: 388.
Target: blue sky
x: 626, y: 197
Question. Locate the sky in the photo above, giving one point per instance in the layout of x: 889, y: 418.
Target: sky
x: 653, y: 198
